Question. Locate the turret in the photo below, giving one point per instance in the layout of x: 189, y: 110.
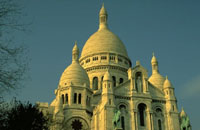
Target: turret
x: 58, y: 111
x: 107, y: 89
x: 168, y: 89
x: 171, y: 105
x: 58, y: 115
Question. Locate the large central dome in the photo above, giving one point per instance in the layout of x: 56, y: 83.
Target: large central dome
x: 103, y: 41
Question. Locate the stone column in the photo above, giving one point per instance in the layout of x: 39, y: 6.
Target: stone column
x: 116, y: 58
x: 108, y: 57
x: 132, y: 121
x: 99, y: 82
x: 136, y: 120
x: 70, y: 96
x: 147, y: 86
x: 148, y: 119
x: 83, y: 98
x: 151, y: 118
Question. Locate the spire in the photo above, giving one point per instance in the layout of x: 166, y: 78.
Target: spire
x: 103, y: 16
x: 75, y: 52
x: 154, y: 64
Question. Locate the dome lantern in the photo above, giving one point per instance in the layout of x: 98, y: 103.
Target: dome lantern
x: 103, y: 16
x: 154, y: 64
x: 156, y: 78
x: 75, y: 52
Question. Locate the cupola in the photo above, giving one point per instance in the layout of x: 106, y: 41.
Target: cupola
x: 156, y: 79
x: 74, y: 74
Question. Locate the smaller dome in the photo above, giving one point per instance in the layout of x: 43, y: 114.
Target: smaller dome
x: 107, y: 76
x: 74, y: 74
x: 167, y: 83
x: 157, y: 80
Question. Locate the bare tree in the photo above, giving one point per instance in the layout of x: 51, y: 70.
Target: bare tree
x: 13, y: 61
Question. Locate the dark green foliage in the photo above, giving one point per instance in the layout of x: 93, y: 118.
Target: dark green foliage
x: 21, y: 116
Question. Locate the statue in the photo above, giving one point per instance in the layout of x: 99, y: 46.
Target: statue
x: 139, y: 83
x: 185, y: 123
x: 116, y: 119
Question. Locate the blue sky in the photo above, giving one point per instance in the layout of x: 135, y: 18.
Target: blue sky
x: 168, y: 28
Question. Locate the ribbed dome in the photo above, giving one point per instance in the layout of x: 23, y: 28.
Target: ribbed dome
x: 103, y: 41
x: 74, y: 74
x: 157, y: 80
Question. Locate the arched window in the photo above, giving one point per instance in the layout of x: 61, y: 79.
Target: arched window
x: 75, y: 97
x: 141, y: 113
x: 66, y: 98
x: 159, y: 125
x: 114, y: 81
x: 122, y: 109
x: 95, y: 83
x: 79, y: 98
x: 122, y: 122
x: 158, y: 112
x: 63, y: 99
x: 121, y: 80
x: 159, y: 117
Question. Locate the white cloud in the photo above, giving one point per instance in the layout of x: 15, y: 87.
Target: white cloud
x: 191, y: 88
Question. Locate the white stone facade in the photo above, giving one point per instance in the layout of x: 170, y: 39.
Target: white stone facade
x: 102, y: 81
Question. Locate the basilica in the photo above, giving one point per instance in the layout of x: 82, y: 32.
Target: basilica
x: 103, y: 90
